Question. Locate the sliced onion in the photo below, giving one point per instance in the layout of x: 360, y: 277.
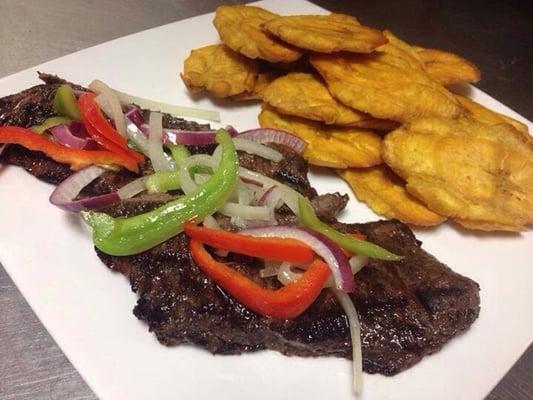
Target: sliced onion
x: 262, y: 200
x: 355, y: 334
x: 64, y: 194
x: 133, y: 188
x: 286, y: 275
x: 245, y: 212
x: 174, y: 136
x: 288, y: 194
x: 135, y: 116
x: 252, y: 182
x: 267, y: 135
x: 108, y: 100
x: 271, y: 269
x: 3, y: 148
x: 252, y: 148
x: 357, y: 262
x: 137, y: 136
x: 128, y: 99
x: 155, y: 144
x: 73, y: 136
x: 258, y: 149
x: 321, y: 245
x: 187, y: 183
x: 211, y: 222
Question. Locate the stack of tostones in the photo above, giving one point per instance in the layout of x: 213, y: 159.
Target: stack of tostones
x: 378, y: 110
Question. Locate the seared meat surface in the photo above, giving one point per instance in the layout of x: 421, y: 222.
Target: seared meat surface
x: 408, y: 309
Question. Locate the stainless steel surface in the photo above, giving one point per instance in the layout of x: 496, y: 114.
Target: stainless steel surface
x: 34, y: 31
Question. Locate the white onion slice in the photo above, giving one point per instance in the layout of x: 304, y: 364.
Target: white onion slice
x: 286, y: 275
x: 137, y: 136
x: 133, y: 188
x: 357, y: 262
x: 258, y: 149
x: 355, y: 334
x: 128, y: 99
x: 211, y: 222
x: 108, y: 98
x: 155, y: 144
x: 245, y: 212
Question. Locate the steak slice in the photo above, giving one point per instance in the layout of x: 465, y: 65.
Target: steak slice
x: 408, y: 309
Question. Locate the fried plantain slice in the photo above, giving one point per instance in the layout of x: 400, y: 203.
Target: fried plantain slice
x: 263, y: 80
x: 384, y: 192
x: 305, y: 95
x: 219, y: 70
x: 325, y: 33
x: 239, y: 28
x: 479, y: 174
x: 448, y: 68
x: 490, y: 117
x: 385, y: 85
x: 328, y: 146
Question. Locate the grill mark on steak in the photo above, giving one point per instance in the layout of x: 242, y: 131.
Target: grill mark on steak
x: 407, y: 309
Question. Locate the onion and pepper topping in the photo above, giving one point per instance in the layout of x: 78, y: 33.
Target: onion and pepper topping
x: 284, y: 303
x: 110, y: 104
x: 134, y: 115
x: 308, y: 218
x: 128, y: 99
x: 76, y: 158
x: 103, y: 133
x: 268, y: 135
x: 73, y: 135
x: 50, y: 123
x: 321, y: 245
x: 64, y: 194
x: 272, y: 248
x: 65, y: 103
x: 127, y: 236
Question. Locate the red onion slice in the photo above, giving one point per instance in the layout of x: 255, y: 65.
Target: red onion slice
x: 265, y: 195
x: 251, y: 182
x: 64, y: 194
x: 135, y: 116
x: 73, y: 135
x: 267, y: 135
x: 321, y: 245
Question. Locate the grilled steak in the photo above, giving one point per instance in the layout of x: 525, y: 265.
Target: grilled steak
x: 407, y: 309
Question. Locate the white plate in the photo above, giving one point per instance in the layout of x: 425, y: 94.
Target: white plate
x: 87, y: 308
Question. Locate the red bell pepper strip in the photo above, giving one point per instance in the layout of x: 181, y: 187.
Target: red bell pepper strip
x: 101, y: 130
x: 270, y: 248
x: 284, y: 303
x: 77, y: 158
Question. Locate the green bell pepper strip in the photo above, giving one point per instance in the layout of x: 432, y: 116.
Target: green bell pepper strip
x: 179, y: 153
x: 50, y: 123
x: 309, y: 219
x: 65, y: 102
x: 163, y: 181
x: 125, y: 236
